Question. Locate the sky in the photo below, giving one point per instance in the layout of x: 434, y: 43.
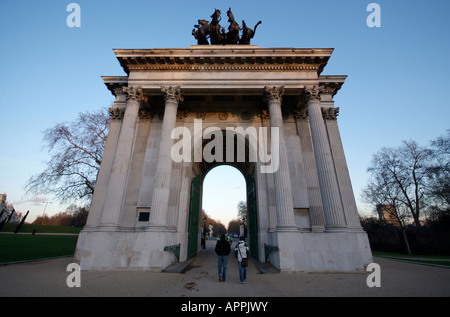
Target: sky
x: 396, y: 88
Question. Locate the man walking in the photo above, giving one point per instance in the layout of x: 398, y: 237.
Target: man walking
x: 222, y: 249
x: 241, y: 252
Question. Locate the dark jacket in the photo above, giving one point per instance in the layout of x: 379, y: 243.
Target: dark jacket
x: 223, y: 247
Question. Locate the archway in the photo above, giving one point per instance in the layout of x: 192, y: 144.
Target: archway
x: 244, y: 168
x: 223, y: 187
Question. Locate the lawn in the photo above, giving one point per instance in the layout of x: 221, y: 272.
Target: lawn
x: 28, y: 228
x: 22, y: 247
x: 426, y: 259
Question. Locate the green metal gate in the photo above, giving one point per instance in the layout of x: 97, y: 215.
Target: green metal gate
x: 252, y: 216
x: 194, y: 211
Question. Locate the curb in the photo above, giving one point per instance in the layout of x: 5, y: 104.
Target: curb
x: 35, y: 260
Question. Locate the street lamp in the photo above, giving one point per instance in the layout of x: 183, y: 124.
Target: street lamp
x: 243, y: 224
x: 204, y: 233
x: 46, y: 203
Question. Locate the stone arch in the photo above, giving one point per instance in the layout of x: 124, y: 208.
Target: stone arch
x: 246, y: 167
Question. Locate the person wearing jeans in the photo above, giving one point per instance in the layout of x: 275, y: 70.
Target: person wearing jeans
x: 241, y: 251
x: 222, y: 249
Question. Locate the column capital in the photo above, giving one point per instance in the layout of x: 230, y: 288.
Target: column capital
x: 116, y: 113
x: 173, y: 93
x: 119, y: 91
x: 313, y: 92
x: 134, y: 93
x: 273, y: 93
x: 330, y: 113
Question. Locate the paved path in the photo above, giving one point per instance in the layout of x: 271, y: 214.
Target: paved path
x: 48, y: 278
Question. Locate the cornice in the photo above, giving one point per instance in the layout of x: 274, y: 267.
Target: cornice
x: 114, y: 82
x: 224, y: 58
x: 240, y: 58
x: 229, y: 67
x: 331, y: 83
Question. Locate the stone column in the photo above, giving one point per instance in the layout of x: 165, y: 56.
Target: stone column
x: 119, y: 172
x: 101, y: 186
x: 283, y: 191
x: 343, y: 176
x: 161, y: 187
x: 329, y: 190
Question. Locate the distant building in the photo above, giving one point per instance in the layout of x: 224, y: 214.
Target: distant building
x: 7, y: 211
x: 2, y: 201
x: 3, y: 213
x: 387, y: 213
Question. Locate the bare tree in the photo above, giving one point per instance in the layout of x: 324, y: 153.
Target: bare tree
x: 400, y: 173
x: 234, y: 226
x: 218, y: 227
x: 383, y: 193
x: 439, y: 172
x: 76, y: 150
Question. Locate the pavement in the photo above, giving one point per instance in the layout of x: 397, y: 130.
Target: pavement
x: 198, y: 278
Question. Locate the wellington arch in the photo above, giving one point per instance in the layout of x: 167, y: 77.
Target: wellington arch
x: 145, y: 210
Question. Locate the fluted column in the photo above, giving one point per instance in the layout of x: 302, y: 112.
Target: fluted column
x: 161, y: 188
x: 343, y: 176
x: 119, y: 171
x: 331, y: 200
x: 282, y: 180
x: 101, y: 186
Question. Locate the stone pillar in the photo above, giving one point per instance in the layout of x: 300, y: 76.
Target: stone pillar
x: 329, y: 190
x: 161, y: 188
x: 315, y: 199
x: 101, y: 186
x: 342, y: 173
x: 283, y: 191
x: 119, y: 172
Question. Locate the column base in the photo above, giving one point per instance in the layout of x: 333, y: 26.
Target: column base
x: 157, y: 228
x: 336, y: 228
x: 286, y: 228
x: 108, y: 228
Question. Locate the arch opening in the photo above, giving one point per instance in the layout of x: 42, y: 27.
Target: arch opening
x: 223, y: 188
x: 209, y: 191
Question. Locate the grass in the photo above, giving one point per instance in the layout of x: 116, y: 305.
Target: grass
x: 425, y: 259
x: 20, y: 247
x: 28, y: 228
x: 23, y: 247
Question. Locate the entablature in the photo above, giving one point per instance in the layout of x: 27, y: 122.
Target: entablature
x: 224, y: 58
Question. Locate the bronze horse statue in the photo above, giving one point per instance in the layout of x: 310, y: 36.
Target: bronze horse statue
x: 217, y: 34
x: 232, y: 37
x: 202, y: 32
x: 247, y: 33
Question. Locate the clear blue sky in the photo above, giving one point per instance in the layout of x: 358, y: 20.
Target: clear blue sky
x: 397, y: 86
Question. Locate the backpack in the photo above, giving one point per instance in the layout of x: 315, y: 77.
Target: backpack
x: 244, y: 261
